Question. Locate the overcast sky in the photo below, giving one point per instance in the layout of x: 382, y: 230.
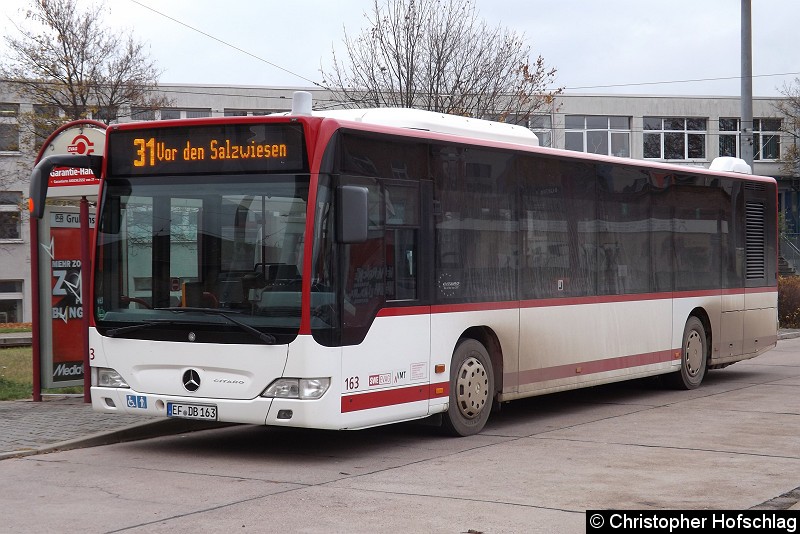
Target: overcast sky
x: 598, y: 46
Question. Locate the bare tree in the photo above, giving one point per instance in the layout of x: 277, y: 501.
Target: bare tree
x: 789, y: 107
x: 440, y: 56
x: 70, y: 64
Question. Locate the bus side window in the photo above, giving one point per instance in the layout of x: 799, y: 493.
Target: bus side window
x: 401, y: 264
x: 402, y: 239
x: 364, y: 266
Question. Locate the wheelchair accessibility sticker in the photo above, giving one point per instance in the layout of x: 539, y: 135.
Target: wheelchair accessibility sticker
x: 136, y: 401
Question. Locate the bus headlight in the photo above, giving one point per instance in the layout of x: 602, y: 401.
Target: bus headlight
x: 297, y: 388
x: 105, y: 377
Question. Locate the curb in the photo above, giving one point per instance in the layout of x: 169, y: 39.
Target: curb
x: 134, y: 432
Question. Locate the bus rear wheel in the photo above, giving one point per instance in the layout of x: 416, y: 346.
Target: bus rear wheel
x: 471, y: 389
x: 694, y: 356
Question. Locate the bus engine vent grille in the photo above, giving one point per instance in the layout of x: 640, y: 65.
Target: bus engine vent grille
x: 755, y: 186
x: 755, y: 240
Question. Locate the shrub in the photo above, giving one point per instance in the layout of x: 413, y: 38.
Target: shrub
x: 789, y: 301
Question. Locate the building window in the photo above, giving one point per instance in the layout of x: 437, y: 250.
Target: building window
x: 10, y: 301
x: 170, y: 113
x: 10, y: 215
x: 729, y: 137
x: 197, y: 113
x: 143, y: 114
x: 174, y: 113
x: 674, y: 138
x: 598, y: 134
x: 248, y: 112
x: 105, y: 114
x: 542, y: 126
x: 766, y: 139
x: 9, y: 127
x: 9, y: 111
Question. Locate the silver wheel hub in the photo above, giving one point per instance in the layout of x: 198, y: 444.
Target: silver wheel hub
x: 693, y: 353
x: 472, y: 388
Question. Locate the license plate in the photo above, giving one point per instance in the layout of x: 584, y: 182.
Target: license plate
x: 192, y: 411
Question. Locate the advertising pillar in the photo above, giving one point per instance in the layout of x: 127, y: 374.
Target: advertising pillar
x: 60, y: 244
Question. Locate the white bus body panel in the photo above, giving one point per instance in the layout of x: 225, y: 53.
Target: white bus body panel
x: 731, y: 326
x: 392, y: 364
x: 760, y: 322
x: 619, y: 340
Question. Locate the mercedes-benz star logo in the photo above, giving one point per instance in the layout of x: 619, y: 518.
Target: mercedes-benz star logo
x: 191, y: 380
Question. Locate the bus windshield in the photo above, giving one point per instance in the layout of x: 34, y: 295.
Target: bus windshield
x: 219, y: 256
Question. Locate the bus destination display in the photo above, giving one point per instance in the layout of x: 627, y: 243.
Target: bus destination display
x: 223, y: 148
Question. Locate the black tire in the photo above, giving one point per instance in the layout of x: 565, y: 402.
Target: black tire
x: 471, y: 389
x: 694, y: 357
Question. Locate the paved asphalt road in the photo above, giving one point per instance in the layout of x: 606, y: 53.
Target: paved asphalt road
x: 538, y: 466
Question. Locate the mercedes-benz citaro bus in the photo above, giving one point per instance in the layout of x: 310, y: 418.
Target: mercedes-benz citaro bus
x: 353, y: 268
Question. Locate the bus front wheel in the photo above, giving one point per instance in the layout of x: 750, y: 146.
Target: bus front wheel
x: 694, y: 356
x: 471, y: 389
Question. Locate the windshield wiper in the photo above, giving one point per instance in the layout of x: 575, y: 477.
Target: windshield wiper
x: 114, y: 332
x: 268, y: 339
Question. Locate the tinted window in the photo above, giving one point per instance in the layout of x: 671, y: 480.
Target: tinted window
x: 559, y: 248
x: 476, y: 230
x: 623, y: 230
x: 698, y: 205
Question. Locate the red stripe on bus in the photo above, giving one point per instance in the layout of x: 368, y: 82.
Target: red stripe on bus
x: 407, y: 310
x: 604, y: 299
x: 391, y: 397
x: 568, y: 301
x: 533, y: 376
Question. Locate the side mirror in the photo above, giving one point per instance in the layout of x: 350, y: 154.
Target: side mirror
x: 40, y: 177
x: 352, y: 215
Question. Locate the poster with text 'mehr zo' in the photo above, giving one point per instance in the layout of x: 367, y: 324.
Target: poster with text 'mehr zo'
x: 64, y: 254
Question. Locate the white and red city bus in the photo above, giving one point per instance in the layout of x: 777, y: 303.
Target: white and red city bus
x: 374, y: 266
